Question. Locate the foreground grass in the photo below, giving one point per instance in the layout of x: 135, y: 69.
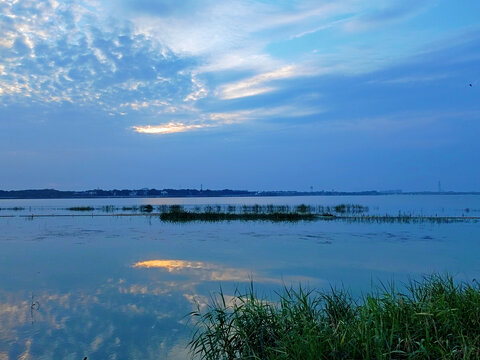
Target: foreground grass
x: 431, y: 319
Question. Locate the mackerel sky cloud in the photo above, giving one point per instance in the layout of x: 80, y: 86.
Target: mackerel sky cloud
x: 345, y: 95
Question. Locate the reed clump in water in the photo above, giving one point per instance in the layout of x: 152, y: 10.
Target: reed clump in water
x: 15, y: 208
x: 81, y: 208
x: 177, y: 213
x: 434, y: 318
x: 405, y: 219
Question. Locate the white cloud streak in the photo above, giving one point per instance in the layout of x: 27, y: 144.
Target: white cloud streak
x: 256, y: 85
x: 169, y: 128
x: 215, y: 120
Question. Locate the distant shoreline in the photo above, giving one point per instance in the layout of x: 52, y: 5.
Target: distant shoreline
x: 194, y: 193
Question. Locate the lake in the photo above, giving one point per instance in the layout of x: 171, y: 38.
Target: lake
x: 120, y: 287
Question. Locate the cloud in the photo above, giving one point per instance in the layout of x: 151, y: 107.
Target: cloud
x: 231, y: 35
x: 204, y: 64
x: 256, y: 85
x: 162, y: 7
x: 169, y: 128
x: 54, y: 52
x: 199, y: 91
x: 215, y: 120
x: 385, y: 13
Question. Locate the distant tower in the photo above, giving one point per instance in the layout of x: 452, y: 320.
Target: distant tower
x: 201, y: 187
x: 439, y: 187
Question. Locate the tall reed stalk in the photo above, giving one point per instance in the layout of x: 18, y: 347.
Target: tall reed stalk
x: 434, y: 318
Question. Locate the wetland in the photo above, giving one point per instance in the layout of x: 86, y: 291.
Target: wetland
x: 115, y: 281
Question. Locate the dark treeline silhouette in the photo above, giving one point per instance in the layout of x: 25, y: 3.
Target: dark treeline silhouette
x: 143, y: 193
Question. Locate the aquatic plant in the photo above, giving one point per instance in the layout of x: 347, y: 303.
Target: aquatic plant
x: 303, y: 209
x: 108, y: 208
x: 146, y: 208
x: 16, y: 208
x: 130, y: 208
x: 81, y: 208
x: 162, y: 208
x: 175, y: 208
x: 349, y: 213
x: 405, y: 219
x: 185, y: 216
x: 434, y: 318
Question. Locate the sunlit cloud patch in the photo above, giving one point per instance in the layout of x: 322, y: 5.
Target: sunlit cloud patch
x: 169, y: 128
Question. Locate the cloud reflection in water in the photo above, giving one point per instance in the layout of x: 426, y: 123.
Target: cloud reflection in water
x: 133, y: 316
x: 205, y: 271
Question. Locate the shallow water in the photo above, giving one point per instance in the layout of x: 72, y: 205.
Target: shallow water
x: 415, y: 205
x: 120, y: 287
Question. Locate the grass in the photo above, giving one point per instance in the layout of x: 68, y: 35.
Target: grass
x: 434, y: 318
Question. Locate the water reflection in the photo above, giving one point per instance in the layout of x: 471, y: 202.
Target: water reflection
x: 204, y: 271
x: 103, y: 324
x: 119, y: 288
x: 427, y: 205
x: 122, y: 318
x: 172, y: 265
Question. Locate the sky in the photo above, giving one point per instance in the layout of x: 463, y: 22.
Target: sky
x: 343, y: 95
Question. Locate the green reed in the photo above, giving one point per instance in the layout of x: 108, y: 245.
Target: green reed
x: 434, y: 318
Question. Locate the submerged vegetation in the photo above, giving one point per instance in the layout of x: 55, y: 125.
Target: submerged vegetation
x: 15, y: 208
x: 176, y: 213
x: 434, y: 318
x: 185, y: 216
x: 232, y: 209
x: 343, y: 212
x: 81, y: 208
x: 275, y: 213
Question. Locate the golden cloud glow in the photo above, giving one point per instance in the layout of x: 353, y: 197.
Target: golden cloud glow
x: 169, y: 128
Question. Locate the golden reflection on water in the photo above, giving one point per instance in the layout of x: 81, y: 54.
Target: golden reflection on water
x: 204, y: 271
x: 172, y: 265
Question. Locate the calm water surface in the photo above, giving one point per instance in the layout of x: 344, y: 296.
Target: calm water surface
x: 120, y: 287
